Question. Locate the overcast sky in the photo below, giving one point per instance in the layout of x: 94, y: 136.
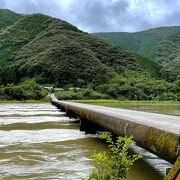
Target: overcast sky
x: 104, y: 15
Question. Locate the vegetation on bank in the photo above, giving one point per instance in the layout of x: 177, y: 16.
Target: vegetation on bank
x: 85, y: 93
x: 114, y: 164
x: 127, y: 86
x: 134, y: 86
x: 113, y: 101
x: 27, y: 90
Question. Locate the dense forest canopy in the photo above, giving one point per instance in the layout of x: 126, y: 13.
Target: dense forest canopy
x: 161, y: 45
x: 56, y: 51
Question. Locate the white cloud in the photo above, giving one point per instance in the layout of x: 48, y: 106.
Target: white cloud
x: 104, y: 15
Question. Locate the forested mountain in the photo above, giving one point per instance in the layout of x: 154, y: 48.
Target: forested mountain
x: 8, y: 18
x: 36, y: 49
x: 159, y: 44
x: 55, y: 51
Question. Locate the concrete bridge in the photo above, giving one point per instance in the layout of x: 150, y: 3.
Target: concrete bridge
x: 158, y: 133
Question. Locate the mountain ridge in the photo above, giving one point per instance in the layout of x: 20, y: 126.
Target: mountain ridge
x: 36, y: 50
x: 148, y: 43
x: 8, y: 17
x: 53, y: 50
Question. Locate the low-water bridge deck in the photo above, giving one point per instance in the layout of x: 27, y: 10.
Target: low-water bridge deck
x: 158, y: 133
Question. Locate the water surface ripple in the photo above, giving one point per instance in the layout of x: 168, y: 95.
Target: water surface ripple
x: 37, y: 141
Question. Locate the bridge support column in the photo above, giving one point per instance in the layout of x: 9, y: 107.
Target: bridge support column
x: 89, y: 127
x: 71, y: 114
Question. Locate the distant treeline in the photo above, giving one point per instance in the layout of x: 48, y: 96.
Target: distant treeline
x: 27, y: 90
x: 128, y: 86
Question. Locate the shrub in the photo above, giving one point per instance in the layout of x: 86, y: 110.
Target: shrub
x: 116, y: 163
x: 139, y: 87
x: 24, y: 91
x: 80, y: 94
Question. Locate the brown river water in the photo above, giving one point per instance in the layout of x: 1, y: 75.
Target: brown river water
x: 38, y: 141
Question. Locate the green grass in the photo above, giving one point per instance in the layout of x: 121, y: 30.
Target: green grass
x: 112, y: 101
x: 162, y: 107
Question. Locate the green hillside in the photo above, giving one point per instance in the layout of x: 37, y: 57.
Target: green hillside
x: 21, y: 33
x: 171, y: 70
x: 8, y: 18
x: 53, y: 50
x: 37, y: 49
x: 174, y: 65
x: 159, y: 44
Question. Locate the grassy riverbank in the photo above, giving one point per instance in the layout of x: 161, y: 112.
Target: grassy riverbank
x: 27, y: 91
x: 163, y: 107
x: 112, y: 101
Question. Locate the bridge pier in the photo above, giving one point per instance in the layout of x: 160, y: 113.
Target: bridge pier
x: 71, y: 114
x: 89, y: 127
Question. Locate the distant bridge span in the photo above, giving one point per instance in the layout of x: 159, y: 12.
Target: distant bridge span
x: 155, y: 132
